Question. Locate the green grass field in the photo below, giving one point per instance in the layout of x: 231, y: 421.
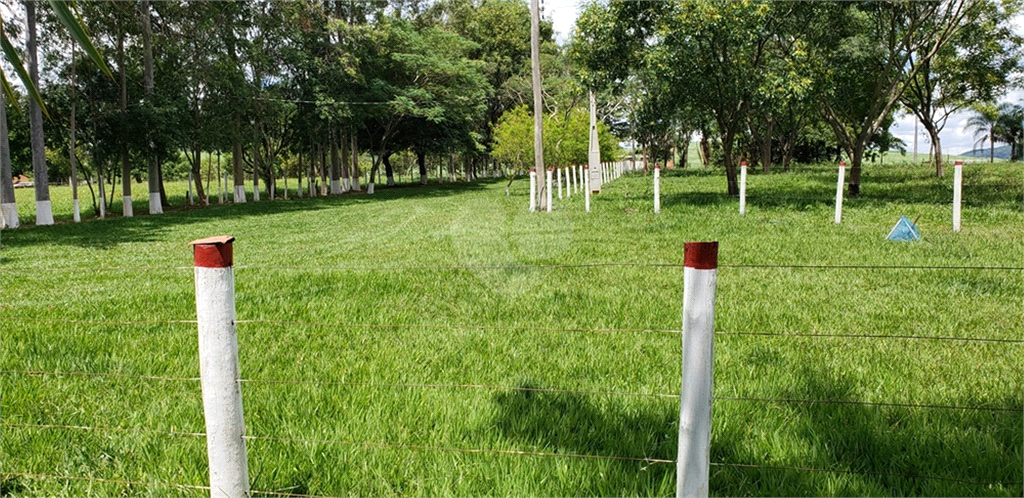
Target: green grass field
x: 383, y: 315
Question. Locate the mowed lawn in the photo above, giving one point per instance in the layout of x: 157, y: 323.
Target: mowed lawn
x: 442, y: 340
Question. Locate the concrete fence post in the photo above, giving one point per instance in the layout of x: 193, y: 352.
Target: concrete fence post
x: 743, y: 188
x: 699, y: 283
x: 839, y: 191
x: 548, y: 193
x: 958, y: 185
x: 657, y: 189
x: 558, y: 172
x: 586, y: 187
x: 218, y: 367
x: 533, y: 189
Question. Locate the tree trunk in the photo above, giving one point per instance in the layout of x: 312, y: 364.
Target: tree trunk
x: 8, y: 207
x: 355, y: 163
x: 388, y: 170
x: 705, y: 149
x: 731, y: 179
x: 71, y: 145
x: 197, y: 171
x: 335, y: 169
x: 855, y: 167
x: 766, y: 148
x: 538, y: 99
x: 126, y: 169
x: 421, y: 161
x: 936, y: 142
x: 155, y: 200
x: 237, y: 172
x: 44, y: 212
x: 345, y: 171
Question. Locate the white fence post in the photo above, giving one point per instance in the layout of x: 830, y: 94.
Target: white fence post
x: 533, y: 189
x: 958, y: 184
x: 743, y: 188
x: 586, y: 186
x: 582, y: 181
x: 558, y: 172
x: 699, y: 282
x: 548, y: 193
x: 218, y: 367
x: 657, y: 189
x: 839, y: 191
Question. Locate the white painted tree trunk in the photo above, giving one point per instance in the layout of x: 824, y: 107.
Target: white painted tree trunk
x: 657, y: 189
x: 103, y: 195
x: 743, y: 188
x: 699, y: 285
x: 839, y: 192
x: 559, y: 181
x: 8, y: 206
x: 127, y: 210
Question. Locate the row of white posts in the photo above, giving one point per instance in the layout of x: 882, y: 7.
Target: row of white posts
x: 222, y: 395
x: 577, y: 178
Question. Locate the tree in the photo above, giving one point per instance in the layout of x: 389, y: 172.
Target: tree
x: 867, y: 55
x: 1009, y: 129
x: 975, y: 66
x: 984, y: 121
x: 44, y: 211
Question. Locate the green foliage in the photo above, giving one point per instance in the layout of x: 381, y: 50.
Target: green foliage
x: 566, y: 139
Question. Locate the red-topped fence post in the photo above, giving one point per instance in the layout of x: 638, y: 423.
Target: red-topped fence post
x: 218, y: 367
x: 699, y: 282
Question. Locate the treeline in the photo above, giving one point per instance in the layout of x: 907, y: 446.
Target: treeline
x: 302, y: 85
x: 772, y: 81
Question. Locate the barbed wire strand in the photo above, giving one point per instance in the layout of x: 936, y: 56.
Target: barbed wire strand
x: 539, y: 267
x: 416, y: 447
x: 42, y: 373
x: 104, y: 480
x: 528, y: 328
x: 388, y: 385
x: 103, y: 429
x: 650, y: 461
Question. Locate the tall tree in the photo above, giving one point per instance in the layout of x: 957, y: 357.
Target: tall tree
x: 8, y: 207
x: 44, y: 211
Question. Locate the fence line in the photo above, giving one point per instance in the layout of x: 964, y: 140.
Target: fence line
x: 529, y: 328
x: 535, y: 267
x: 859, y: 472
x: 41, y: 373
x: 387, y: 385
x: 102, y: 429
x: 870, y: 403
x: 416, y: 447
x: 99, y: 479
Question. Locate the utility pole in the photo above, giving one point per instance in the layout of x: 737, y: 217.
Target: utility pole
x: 538, y: 102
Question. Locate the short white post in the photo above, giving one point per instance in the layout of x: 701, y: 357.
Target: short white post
x: 586, y: 187
x: 839, y: 191
x: 533, y: 189
x: 699, y: 282
x: 743, y: 188
x: 958, y: 184
x: 218, y: 367
x: 559, y: 182
x: 657, y: 189
x: 582, y: 181
x: 568, y: 183
x: 548, y: 193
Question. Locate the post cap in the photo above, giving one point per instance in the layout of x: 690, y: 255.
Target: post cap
x: 533, y: 170
x: 842, y: 164
x: 958, y: 163
x: 550, y: 168
x: 743, y: 164
x: 657, y: 166
x: 701, y: 255
x: 213, y: 252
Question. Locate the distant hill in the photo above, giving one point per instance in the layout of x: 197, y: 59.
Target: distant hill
x: 1002, y: 152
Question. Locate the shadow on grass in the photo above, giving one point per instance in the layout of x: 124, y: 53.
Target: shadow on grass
x: 885, y: 450
x: 105, y: 234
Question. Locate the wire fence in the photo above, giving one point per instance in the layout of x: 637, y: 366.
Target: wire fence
x: 643, y: 460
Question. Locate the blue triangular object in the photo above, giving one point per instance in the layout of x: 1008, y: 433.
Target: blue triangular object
x: 904, y: 230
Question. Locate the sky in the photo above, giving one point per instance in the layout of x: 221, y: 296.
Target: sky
x: 954, y: 139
